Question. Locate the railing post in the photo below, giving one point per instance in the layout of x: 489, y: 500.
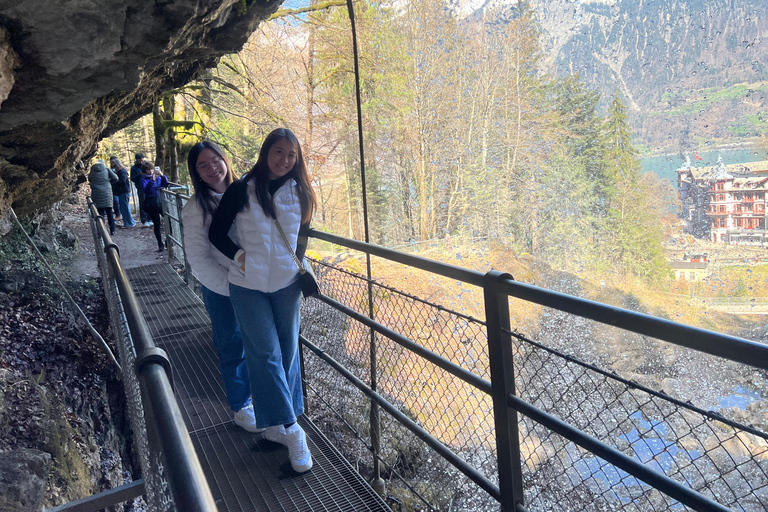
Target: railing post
x: 503, y: 384
x: 164, y: 207
x: 181, y: 239
x: 376, y: 482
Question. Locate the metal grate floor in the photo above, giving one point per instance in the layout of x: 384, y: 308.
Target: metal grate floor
x: 245, y: 471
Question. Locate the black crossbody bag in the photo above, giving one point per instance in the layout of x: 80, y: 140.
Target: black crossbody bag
x: 309, y: 287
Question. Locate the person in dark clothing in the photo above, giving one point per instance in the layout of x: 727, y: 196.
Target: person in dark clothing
x: 136, y: 179
x: 152, y: 180
x: 122, y: 190
x: 116, y: 202
x: 101, y: 179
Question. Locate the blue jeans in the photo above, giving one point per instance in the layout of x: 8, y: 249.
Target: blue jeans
x: 125, y: 209
x: 229, y: 345
x: 270, y: 327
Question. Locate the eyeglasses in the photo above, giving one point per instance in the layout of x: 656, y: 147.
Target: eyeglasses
x: 207, y: 166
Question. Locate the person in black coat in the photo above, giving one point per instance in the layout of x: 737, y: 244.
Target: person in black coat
x: 122, y: 189
x: 136, y: 179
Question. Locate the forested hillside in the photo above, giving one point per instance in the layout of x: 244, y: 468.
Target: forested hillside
x: 465, y: 136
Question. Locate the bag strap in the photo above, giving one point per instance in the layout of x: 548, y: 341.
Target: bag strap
x: 298, y: 263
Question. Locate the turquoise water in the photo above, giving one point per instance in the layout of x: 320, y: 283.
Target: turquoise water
x: 666, y: 166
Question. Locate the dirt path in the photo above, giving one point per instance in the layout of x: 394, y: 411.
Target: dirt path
x: 137, y: 245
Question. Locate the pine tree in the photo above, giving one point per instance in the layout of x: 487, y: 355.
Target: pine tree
x: 633, y: 222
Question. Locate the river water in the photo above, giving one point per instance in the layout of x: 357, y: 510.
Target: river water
x: 666, y: 166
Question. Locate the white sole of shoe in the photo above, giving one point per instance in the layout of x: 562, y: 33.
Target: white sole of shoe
x: 249, y: 428
x: 303, y: 468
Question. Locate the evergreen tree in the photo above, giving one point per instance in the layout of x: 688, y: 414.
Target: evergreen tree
x: 633, y: 222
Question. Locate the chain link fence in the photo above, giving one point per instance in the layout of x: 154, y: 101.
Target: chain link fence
x: 157, y: 491
x: 724, y: 460
x: 721, y: 458
x: 173, y: 201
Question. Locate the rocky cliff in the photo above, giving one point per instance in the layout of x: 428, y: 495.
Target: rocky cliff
x: 689, y: 70
x: 74, y: 72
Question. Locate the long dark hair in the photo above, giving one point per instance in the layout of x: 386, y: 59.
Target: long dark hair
x: 203, y: 194
x: 117, y: 163
x: 260, y: 174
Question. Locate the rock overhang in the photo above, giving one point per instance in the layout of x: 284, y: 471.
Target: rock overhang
x: 72, y: 73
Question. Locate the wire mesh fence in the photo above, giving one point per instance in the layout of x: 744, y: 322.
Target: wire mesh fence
x: 724, y: 458
x: 173, y: 201
x: 454, y: 412
x: 719, y: 457
x: 158, y: 493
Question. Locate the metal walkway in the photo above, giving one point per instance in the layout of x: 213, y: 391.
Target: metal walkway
x: 244, y: 471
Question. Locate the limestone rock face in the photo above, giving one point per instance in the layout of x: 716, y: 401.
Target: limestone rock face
x: 23, y: 477
x: 8, y: 61
x: 74, y: 72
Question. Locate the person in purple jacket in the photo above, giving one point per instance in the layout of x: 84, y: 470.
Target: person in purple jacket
x: 152, y: 180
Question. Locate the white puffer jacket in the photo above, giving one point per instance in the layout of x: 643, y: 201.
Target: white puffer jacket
x: 269, y: 266
x: 209, y: 265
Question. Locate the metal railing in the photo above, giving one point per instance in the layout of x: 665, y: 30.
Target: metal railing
x: 531, y: 425
x: 476, y: 414
x: 173, y: 477
x: 173, y: 200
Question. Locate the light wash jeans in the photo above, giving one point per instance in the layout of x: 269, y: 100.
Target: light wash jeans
x: 125, y: 210
x: 270, y: 326
x: 229, y: 345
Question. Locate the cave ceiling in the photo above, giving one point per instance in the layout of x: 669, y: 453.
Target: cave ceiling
x: 73, y: 72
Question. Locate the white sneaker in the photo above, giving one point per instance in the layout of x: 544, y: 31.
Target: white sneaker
x: 246, y: 419
x: 298, y: 452
x: 276, y: 435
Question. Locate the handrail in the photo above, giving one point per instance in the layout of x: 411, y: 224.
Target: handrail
x: 178, y: 186
x: 165, y: 424
x: 175, y: 239
x: 436, y: 267
x: 507, y: 439
x: 710, y: 342
x: 654, y: 478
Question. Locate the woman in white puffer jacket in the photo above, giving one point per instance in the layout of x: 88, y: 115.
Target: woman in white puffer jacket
x: 264, y: 284
x: 211, y: 174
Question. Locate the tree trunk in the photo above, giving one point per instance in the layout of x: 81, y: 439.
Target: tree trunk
x: 173, y: 149
x: 172, y: 154
x: 147, y: 137
x: 157, y: 120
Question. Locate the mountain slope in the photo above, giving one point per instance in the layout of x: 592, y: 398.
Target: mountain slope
x: 667, y: 59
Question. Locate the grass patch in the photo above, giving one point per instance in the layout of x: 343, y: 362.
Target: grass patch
x: 703, y: 100
x: 748, y: 126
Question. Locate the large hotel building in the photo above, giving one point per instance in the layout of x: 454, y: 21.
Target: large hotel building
x: 725, y: 203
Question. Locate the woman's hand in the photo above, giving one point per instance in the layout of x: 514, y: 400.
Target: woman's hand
x: 241, y: 261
